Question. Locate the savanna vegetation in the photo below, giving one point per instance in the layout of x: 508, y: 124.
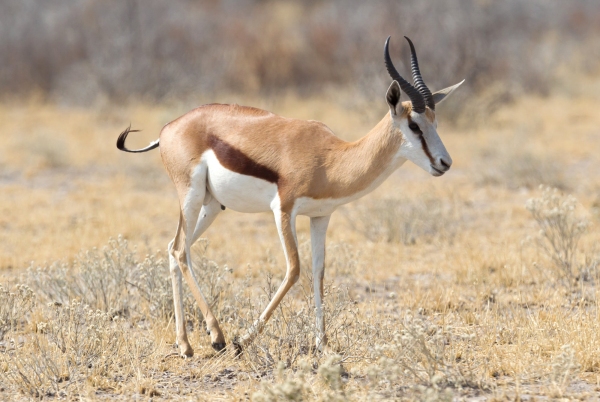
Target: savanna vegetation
x: 479, y: 285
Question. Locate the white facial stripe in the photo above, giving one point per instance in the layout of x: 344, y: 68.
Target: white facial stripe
x: 426, y: 150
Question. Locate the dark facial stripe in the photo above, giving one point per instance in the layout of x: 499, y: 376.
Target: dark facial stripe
x: 423, y: 144
x: 235, y: 160
x: 426, y: 149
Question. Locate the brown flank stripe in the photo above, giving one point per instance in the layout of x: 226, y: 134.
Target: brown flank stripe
x: 236, y: 161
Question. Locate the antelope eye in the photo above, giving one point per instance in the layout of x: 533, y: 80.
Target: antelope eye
x: 414, y: 127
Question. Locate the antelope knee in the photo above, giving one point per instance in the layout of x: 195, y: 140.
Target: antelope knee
x: 180, y: 259
x: 294, y: 276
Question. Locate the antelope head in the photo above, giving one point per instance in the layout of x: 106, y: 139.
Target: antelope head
x: 416, y: 118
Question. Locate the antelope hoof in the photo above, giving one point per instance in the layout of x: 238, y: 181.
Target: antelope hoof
x: 218, y: 346
x: 238, y: 349
x: 186, y: 351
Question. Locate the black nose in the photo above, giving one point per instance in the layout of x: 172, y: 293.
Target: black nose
x: 444, y: 163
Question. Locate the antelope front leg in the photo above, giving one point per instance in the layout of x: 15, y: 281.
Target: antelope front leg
x: 318, y: 231
x: 287, y: 233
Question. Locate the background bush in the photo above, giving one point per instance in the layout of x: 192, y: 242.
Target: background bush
x: 79, y: 50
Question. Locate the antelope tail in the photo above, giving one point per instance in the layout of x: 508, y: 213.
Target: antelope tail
x: 123, y: 137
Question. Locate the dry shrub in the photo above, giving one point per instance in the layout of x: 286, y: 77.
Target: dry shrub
x: 564, y: 370
x: 342, y: 261
x: 290, y: 333
x: 560, y: 231
x: 90, y: 332
x: 46, y: 151
x: 74, y: 343
x: 97, y: 278
x: 300, y: 384
x: 422, y: 357
x: 515, y: 166
x: 289, y: 386
x: 75, y: 350
x: 111, y: 280
x: 83, y: 334
x: 424, y: 219
x: 152, y: 281
x: 14, y: 307
x: 215, y: 280
x: 428, y: 355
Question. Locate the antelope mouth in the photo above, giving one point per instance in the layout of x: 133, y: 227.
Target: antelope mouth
x: 437, y: 172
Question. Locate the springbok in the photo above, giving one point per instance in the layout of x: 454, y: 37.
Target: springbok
x: 250, y: 160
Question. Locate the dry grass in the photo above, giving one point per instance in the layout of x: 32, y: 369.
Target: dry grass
x: 437, y: 289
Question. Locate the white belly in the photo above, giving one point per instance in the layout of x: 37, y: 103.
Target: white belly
x: 237, y: 191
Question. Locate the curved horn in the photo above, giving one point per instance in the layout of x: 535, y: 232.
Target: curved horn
x: 415, y: 96
x: 417, y: 78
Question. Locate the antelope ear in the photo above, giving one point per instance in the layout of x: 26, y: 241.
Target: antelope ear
x: 393, y: 98
x: 441, y: 95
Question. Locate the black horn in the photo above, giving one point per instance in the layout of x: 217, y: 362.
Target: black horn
x: 413, y: 93
x: 417, y: 78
